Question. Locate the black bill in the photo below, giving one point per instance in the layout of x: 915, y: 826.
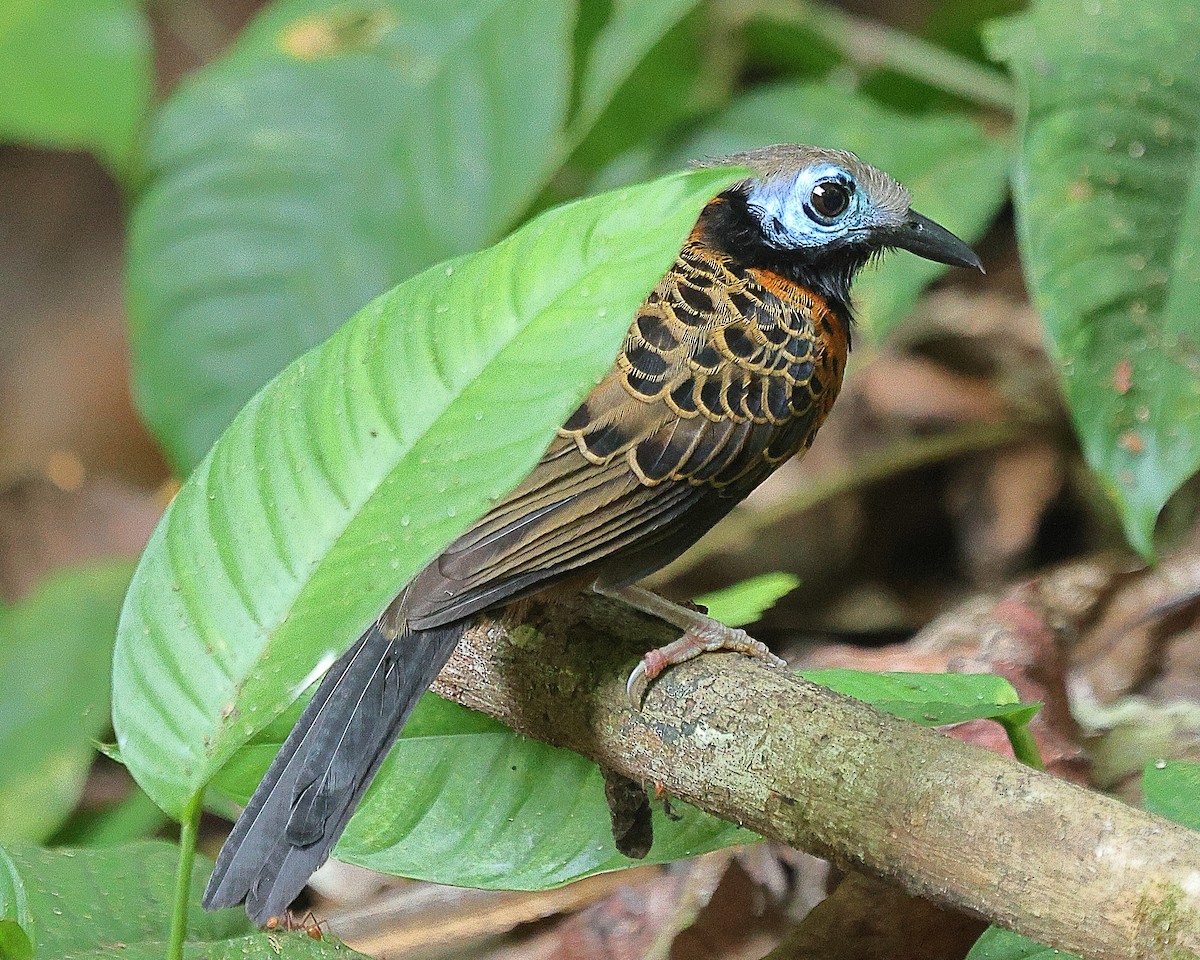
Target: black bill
x: 927, y: 239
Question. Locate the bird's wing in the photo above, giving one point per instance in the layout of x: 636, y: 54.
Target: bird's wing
x: 720, y: 379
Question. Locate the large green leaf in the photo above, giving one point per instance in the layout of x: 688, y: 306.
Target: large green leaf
x: 1172, y: 790
x: 957, y: 173
x: 86, y: 902
x: 16, y: 920
x: 77, y: 75
x: 745, y: 602
x: 55, y: 651
x: 997, y: 944
x: 276, y: 945
x: 931, y: 699
x: 1108, y: 215
x: 620, y: 33
x: 360, y: 462
x: 342, y: 146
x: 464, y: 800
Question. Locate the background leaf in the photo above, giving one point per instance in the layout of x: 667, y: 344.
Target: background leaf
x: 747, y: 601
x: 77, y: 75
x: 55, y: 651
x: 340, y: 481
x: 620, y: 33
x: 1172, y: 790
x: 81, y: 902
x: 15, y: 919
x: 932, y: 699
x: 1107, y: 192
x: 428, y: 129
x: 997, y: 944
x: 957, y: 174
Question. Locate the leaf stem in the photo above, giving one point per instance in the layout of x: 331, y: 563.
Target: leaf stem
x: 189, y: 825
x: 873, y: 44
x: 1024, y: 747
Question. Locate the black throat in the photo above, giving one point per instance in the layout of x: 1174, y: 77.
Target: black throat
x: 729, y: 226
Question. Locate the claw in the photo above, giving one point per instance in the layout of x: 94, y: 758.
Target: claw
x: 707, y: 636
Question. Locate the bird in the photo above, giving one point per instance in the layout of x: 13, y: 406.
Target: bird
x: 728, y: 369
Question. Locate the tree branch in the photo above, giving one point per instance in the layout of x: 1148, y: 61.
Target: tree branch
x: 793, y: 761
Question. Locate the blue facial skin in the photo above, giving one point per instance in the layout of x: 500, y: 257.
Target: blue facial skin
x: 784, y: 207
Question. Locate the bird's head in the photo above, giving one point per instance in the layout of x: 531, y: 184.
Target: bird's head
x: 818, y: 215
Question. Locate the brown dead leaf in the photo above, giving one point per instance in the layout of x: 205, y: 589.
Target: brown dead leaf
x: 865, y: 919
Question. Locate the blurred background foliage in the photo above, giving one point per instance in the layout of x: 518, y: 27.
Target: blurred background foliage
x: 195, y: 191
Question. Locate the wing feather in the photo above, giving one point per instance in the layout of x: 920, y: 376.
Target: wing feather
x: 700, y: 406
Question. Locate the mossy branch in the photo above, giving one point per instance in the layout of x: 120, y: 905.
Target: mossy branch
x: 796, y: 762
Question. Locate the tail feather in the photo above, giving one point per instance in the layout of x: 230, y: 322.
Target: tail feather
x: 324, y: 767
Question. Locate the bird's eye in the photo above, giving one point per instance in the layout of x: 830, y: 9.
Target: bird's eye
x: 829, y: 200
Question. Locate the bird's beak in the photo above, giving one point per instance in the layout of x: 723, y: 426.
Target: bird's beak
x: 927, y: 239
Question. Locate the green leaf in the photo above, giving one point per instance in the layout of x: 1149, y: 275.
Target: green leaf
x: 358, y: 464
x: 1172, y: 790
x: 932, y: 699
x: 341, y: 146
x: 1108, y: 213
x: 71, y: 902
x: 135, y: 817
x: 667, y: 88
x: 55, y: 651
x: 747, y: 601
x: 463, y: 800
x: 625, y: 33
x: 276, y: 945
x: 997, y: 944
x: 15, y: 919
x: 77, y: 75
x: 957, y: 174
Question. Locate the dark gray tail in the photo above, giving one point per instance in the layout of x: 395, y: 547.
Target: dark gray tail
x: 324, y: 767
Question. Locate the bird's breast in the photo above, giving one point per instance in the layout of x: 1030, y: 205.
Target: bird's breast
x: 725, y: 373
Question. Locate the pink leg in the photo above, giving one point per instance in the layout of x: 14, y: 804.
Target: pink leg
x: 701, y: 634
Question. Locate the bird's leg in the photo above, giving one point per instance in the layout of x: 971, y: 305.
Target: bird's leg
x: 701, y: 634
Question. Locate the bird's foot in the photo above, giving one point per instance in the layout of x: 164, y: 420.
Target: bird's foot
x: 705, y: 636
x: 701, y: 635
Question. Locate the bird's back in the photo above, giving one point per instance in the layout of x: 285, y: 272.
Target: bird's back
x: 727, y: 371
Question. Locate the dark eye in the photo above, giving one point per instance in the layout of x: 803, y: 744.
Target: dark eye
x: 830, y: 199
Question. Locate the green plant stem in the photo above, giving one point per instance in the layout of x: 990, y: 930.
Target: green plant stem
x: 872, y: 44
x: 189, y: 826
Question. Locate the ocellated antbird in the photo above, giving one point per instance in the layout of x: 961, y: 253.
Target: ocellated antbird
x: 728, y: 369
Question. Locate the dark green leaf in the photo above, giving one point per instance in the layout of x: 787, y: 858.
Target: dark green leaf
x: 55, y: 651
x: 747, y: 601
x: 1108, y: 215
x: 70, y: 902
x: 932, y: 699
x: 997, y: 944
x: 135, y: 817
x: 358, y: 464
x: 463, y: 800
x: 77, y: 75
x: 667, y: 88
x: 339, y: 148
x: 627, y: 31
x: 956, y: 173
x: 1172, y: 790
x: 276, y: 945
